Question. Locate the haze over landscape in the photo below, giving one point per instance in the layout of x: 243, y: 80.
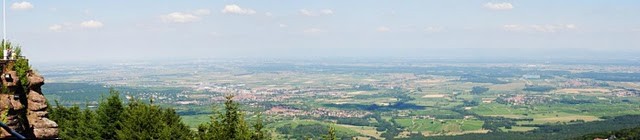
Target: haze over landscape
x: 68, y: 31
x: 330, y: 69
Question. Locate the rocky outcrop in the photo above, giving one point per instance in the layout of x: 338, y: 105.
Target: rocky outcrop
x: 23, y: 107
x: 37, y: 109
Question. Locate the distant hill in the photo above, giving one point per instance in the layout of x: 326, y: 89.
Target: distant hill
x: 588, y: 130
x: 624, y: 134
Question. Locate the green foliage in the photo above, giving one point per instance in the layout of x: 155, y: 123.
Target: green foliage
x: 558, y: 131
x: 479, y: 90
x: 138, y: 120
x: 390, y: 127
x: 18, y: 51
x: 75, y: 123
x: 230, y: 125
x: 608, y: 76
x: 110, y: 114
x: 331, y: 135
x: 144, y: 121
x: 313, y: 130
x: 624, y: 134
x: 22, y: 67
x: 481, y: 79
x: 414, y: 136
x: 353, y: 121
x: 259, y: 133
x: 113, y: 120
x: 538, y: 88
x: 5, y: 45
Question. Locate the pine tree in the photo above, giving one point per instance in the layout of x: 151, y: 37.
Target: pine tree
x: 87, y: 125
x: 147, y: 121
x: 110, y: 114
x: 112, y: 120
x: 175, y: 129
x: 67, y: 119
x: 212, y: 129
x: 258, y: 134
x: 331, y: 134
x: 229, y: 125
x: 234, y: 126
x: 75, y: 123
x: 140, y: 121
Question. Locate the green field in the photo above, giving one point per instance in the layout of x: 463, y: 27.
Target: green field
x: 194, y: 120
x: 436, y: 126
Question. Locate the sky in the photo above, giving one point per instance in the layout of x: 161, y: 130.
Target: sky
x: 105, y: 30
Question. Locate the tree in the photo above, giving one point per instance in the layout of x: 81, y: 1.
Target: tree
x: 258, y: 134
x: 147, y: 121
x: 229, y: 124
x: 479, y: 90
x: 331, y: 135
x: 74, y: 123
x: 211, y: 130
x: 137, y: 120
x: 175, y: 129
x: 140, y: 121
x: 110, y: 114
x: 235, y: 127
x: 88, y: 127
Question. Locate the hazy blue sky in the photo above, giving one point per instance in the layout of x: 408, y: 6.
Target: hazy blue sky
x: 72, y: 30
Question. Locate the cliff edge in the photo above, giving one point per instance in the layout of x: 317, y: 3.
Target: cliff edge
x: 22, y: 106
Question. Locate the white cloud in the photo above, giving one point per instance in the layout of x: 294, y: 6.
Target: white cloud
x: 306, y: 12
x: 282, y: 25
x: 202, y: 12
x: 185, y: 17
x: 548, y: 28
x: 91, y: 24
x: 21, y: 6
x: 310, y: 13
x: 514, y: 27
x: 67, y: 26
x: 269, y: 14
x: 55, y: 27
x: 383, y: 29
x: 179, y: 17
x: 327, y: 11
x: 498, y: 6
x: 235, y: 9
x: 314, y: 30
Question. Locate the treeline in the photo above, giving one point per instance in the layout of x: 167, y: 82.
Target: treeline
x: 624, y: 134
x: 481, y: 79
x: 618, y: 77
x: 538, y: 88
x: 557, y: 131
x: 312, y: 131
x: 479, y: 90
x: 364, y: 121
x: 491, y: 123
x: 391, y: 128
x: 114, y: 119
x: 69, y: 94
